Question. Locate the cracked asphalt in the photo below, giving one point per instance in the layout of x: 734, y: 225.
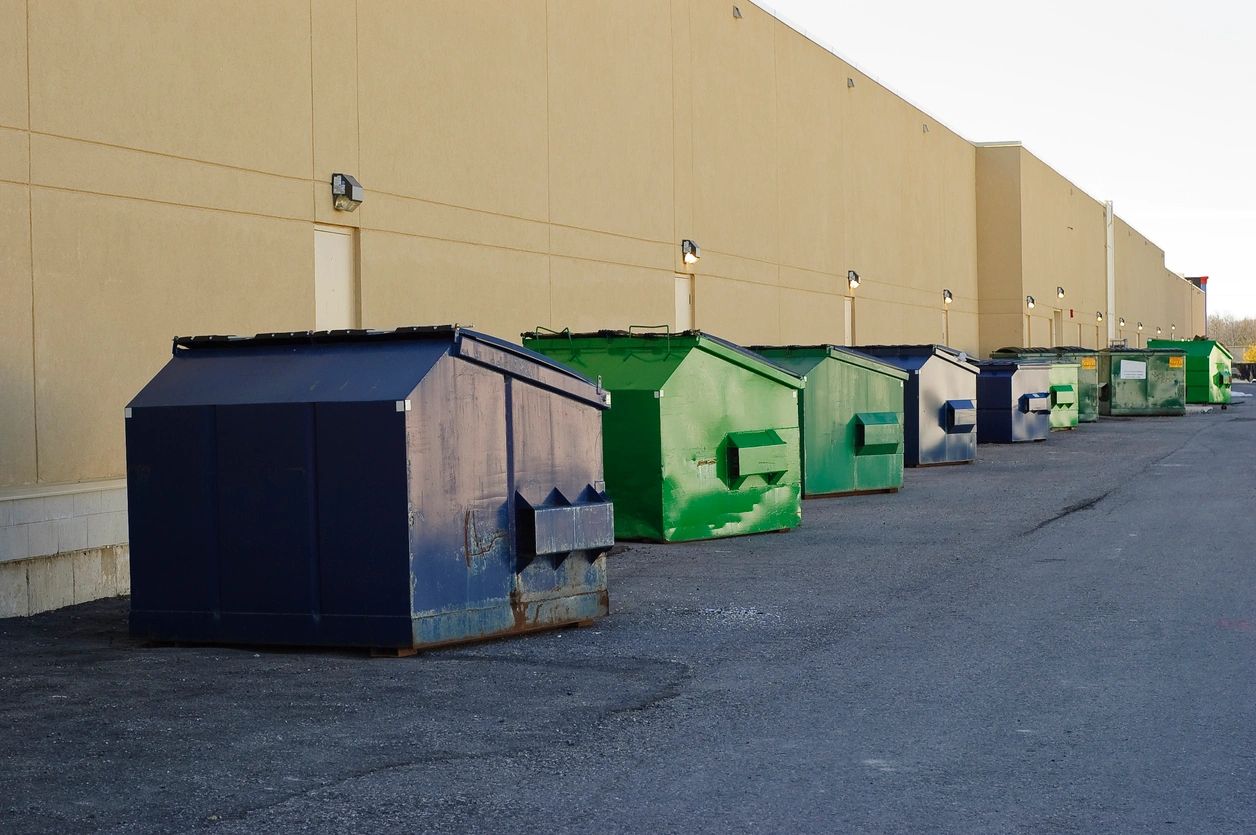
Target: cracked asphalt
x: 1060, y: 637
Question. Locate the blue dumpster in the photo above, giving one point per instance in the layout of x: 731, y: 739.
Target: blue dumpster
x: 1013, y: 401
x: 940, y: 402
x: 384, y: 489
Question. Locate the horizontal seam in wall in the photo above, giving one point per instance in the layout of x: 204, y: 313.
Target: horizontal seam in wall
x: 196, y: 206
x: 166, y: 155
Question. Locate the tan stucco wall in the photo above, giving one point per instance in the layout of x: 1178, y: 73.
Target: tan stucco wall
x: 532, y: 168
x: 1147, y: 292
x: 1037, y: 232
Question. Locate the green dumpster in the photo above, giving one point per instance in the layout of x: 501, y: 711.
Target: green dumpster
x: 1142, y: 381
x: 851, y: 413
x: 1209, y: 368
x: 702, y: 437
x: 1086, y: 390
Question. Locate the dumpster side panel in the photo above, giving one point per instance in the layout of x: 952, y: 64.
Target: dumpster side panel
x: 1166, y: 384
x: 462, y: 565
x: 557, y: 459
x: 945, y: 390
x: 706, y: 401
x: 172, y: 500
x: 1087, y: 387
x: 266, y: 507
x: 363, y: 528
x: 480, y: 444
x: 1135, y: 383
x: 633, y: 458
x: 1064, y: 387
x: 869, y: 392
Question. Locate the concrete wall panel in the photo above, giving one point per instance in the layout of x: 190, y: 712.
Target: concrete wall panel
x: 111, y: 289
x: 225, y: 82
x: 453, y: 103
x: 610, y: 116
x: 17, y: 383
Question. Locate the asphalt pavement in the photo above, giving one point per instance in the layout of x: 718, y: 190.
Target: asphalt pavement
x: 1060, y: 637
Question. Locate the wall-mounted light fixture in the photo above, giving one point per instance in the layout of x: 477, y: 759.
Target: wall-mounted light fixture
x: 852, y: 278
x: 850, y: 82
x: 1029, y: 302
x: 1158, y: 331
x: 947, y: 297
x: 346, y: 192
x: 736, y: 12
x: 1098, y: 315
x: 1173, y: 328
x: 690, y: 252
x: 1059, y: 292
x: 1140, y: 327
x: 1121, y: 322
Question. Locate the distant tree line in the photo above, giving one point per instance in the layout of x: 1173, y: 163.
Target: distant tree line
x: 1239, y: 335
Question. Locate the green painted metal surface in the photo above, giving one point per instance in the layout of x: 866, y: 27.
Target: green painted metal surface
x: 702, y: 438
x: 1209, y: 367
x: 1065, y: 384
x: 852, y: 419
x: 1142, y: 382
x: 1087, y: 386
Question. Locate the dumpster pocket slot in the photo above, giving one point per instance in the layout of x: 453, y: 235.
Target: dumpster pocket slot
x: 561, y: 526
x: 1037, y: 403
x: 1063, y: 395
x: 1224, y: 377
x: 961, y: 416
x: 877, y: 433
x: 762, y: 453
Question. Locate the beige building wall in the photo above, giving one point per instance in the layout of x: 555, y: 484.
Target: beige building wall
x: 532, y: 168
x: 1038, y: 232
x: 1168, y: 305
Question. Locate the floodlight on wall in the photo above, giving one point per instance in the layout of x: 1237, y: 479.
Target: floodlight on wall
x: 690, y: 252
x: 346, y: 192
x: 947, y: 297
x: 1098, y: 315
x: 1029, y: 302
x: 736, y: 13
x: 1059, y: 292
x: 850, y: 82
x: 852, y: 278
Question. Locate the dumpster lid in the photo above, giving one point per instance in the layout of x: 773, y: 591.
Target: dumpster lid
x: 1039, y: 349
x: 730, y: 351
x: 340, y: 366
x: 915, y: 356
x: 1199, y: 346
x: 837, y: 352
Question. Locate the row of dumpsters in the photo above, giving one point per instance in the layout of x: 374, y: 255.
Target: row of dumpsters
x: 398, y: 490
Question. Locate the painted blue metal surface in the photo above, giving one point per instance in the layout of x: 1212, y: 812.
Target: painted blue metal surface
x: 1013, y: 401
x: 939, y: 402
x: 396, y: 489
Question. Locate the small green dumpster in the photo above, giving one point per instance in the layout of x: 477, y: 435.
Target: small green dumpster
x: 852, y: 419
x: 702, y: 437
x: 1142, y: 381
x: 1209, y: 368
x: 1086, y: 387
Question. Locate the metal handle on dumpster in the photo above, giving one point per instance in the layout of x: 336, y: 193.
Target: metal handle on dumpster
x: 961, y: 416
x: 542, y: 329
x: 1063, y: 395
x: 1038, y: 403
x: 762, y: 453
x: 560, y: 526
x: 877, y: 433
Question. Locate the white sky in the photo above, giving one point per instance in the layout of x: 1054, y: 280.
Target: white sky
x: 1149, y: 104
